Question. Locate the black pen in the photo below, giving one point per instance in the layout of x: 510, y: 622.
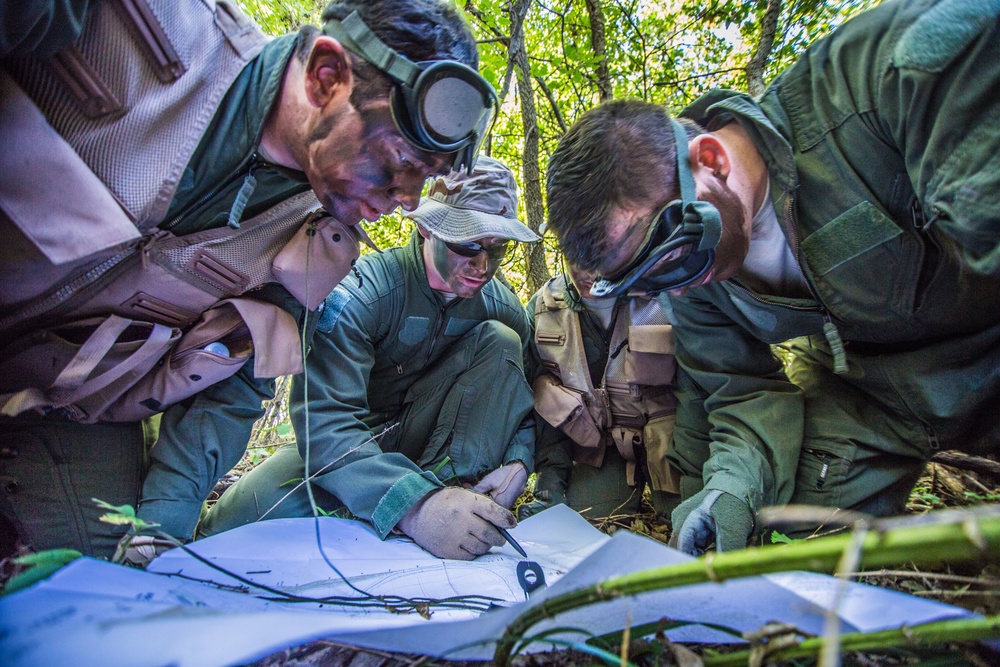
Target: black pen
x: 507, y: 536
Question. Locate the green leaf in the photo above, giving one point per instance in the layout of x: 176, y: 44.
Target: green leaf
x: 780, y: 538
x: 41, y: 565
x: 62, y: 556
x: 124, y: 510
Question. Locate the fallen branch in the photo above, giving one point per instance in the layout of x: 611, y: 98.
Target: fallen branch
x: 976, y: 464
x: 929, y: 634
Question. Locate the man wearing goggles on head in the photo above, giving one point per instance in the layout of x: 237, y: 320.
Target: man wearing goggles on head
x: 440, y: 106
x: 858, y: 200
x: 185, y: 128
x: 416, y: 390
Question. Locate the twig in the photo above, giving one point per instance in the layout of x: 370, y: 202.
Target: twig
x: 960, y: 630
x: 950, y: 578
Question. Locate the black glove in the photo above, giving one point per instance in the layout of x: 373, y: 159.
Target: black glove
x: 544, y: 499
x: 711, y: 517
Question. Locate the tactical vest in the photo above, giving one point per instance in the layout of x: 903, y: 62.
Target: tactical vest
x: 633, y: 407
x: 125, y: 322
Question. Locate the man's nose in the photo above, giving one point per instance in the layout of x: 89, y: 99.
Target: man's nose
x: 481, y: 262
x: 405, y: 192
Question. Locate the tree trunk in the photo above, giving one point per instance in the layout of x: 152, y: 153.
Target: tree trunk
x: 758, y: 61
x: 599, y: 45
x: 534, y: 254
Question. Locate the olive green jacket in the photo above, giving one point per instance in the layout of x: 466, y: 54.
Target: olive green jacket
x: 882, y: 145
x: 380, y: 333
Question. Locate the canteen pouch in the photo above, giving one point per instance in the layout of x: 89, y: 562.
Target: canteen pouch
x: 80, y: 367
x: 243, y: 326
x: 316, y: 259
x: 658, y: 433
x: 649, y: 359
x: 565, y: 409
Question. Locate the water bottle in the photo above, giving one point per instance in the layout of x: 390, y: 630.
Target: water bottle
x: 217, y: 348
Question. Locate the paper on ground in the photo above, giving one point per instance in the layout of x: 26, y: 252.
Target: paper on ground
x: 95, y: 613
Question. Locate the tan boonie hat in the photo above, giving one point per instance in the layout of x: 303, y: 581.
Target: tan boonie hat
x: 460, y: 207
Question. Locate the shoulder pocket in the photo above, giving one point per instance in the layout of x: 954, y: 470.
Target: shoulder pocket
x: 864, y: 265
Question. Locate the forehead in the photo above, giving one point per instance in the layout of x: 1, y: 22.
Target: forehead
x: 626, y: 227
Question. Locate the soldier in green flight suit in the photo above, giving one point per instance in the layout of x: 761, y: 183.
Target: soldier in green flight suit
x: 414, y: 412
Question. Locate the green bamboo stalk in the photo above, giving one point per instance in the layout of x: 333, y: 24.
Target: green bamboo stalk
x: 928, y: 634
x: 971, y: 535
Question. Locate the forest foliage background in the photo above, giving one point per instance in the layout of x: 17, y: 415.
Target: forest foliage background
x: 552, y: 60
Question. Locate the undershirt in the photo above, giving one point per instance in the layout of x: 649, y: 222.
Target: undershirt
x: 601, y: 308
x: 770, y: 266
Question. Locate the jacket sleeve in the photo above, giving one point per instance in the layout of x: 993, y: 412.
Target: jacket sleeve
x: 328, y: 405
x: 40, y: 28
x: 200, y: 440
x: 740, y: 421
x: 938, y: 99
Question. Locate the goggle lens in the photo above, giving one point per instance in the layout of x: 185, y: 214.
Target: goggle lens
x: 452, y: 110
x: 495, y: 252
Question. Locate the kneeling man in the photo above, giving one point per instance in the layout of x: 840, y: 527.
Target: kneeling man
x: 414, y: 412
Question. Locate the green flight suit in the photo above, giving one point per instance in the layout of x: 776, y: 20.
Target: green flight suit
x: 882, y: 146
x: 446, y: 379
x: 51, y: 467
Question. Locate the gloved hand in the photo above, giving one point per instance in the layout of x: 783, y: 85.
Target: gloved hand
x: 456, y: 523
x: 139, y: 550
x: 505, y: 484
x: 711, y: 517
x: 544, y: 499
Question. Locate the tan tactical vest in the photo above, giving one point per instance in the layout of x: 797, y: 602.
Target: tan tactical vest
x: 633, y: 406
x: 113, y: 319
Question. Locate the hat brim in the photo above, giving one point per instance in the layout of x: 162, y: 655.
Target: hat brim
x: 458, y: 225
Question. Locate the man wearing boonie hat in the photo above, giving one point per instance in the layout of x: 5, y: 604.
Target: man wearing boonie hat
x: 414, y: 413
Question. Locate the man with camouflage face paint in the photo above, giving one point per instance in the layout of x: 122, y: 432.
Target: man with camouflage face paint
x: 414, y: 412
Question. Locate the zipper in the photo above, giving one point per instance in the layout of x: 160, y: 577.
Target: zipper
x: 438, y: 326
x: 89, y: 279
x: 826, y: 458
x: 932, y: 438
x: 830, y: 331
x: 245, y: 171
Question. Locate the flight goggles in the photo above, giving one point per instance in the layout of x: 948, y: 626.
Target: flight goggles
x: 439, y: 106
x: 679, y: 246
x: 495, y: 252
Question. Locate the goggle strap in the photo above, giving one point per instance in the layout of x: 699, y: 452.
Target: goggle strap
x: 683, y: 163
x: 711, y: 224
x: 359, y: 38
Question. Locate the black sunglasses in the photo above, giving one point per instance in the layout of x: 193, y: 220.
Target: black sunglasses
x: 495, y: 252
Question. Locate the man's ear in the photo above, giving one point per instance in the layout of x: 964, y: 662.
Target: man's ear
x: 423, y: 232
x: 707, y: 153
x: 328, y: 72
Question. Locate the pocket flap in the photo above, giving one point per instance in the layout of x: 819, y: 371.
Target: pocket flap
x: 327, y: 248
x: 652, y: 338
x: 554, y: 402
x: 277, y: 347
